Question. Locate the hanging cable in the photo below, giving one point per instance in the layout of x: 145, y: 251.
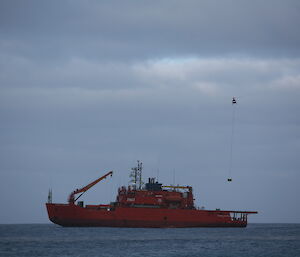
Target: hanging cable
x: 234, y: 103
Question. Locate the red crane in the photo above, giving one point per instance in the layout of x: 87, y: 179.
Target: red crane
x: 84, y: 189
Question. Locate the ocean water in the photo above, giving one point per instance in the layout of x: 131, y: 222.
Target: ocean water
x: 52, y: 240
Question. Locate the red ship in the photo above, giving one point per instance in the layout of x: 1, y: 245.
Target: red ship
x: 152, y: 205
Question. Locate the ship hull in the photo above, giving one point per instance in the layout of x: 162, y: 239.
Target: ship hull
x: 70, y: 215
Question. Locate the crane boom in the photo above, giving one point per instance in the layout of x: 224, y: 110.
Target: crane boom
x: 87, y: 187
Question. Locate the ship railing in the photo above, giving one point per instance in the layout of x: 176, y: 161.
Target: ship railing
x: 234, y: 215
x: 238, y: 216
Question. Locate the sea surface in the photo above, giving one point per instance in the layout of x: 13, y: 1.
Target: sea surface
x: 52, y: 240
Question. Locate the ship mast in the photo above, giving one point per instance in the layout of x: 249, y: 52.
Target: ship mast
x: 136, y: 175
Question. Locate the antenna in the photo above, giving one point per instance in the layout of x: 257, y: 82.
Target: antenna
x: 140, y: 167
x: 174, y: 176
x: 50, y: 196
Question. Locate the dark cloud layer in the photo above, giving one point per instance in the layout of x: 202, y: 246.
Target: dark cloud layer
x: 139, y: 29
x: 91, y: 86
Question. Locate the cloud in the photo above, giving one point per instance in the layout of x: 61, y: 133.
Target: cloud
x: 289, y: 82
x: 87, y: 81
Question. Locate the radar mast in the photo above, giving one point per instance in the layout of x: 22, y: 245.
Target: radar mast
x: 136, y: 175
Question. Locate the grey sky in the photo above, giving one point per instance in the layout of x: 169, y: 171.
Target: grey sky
x: 90, y: 86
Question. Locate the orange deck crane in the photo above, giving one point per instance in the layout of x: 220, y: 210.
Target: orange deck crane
x: 72, y: 199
